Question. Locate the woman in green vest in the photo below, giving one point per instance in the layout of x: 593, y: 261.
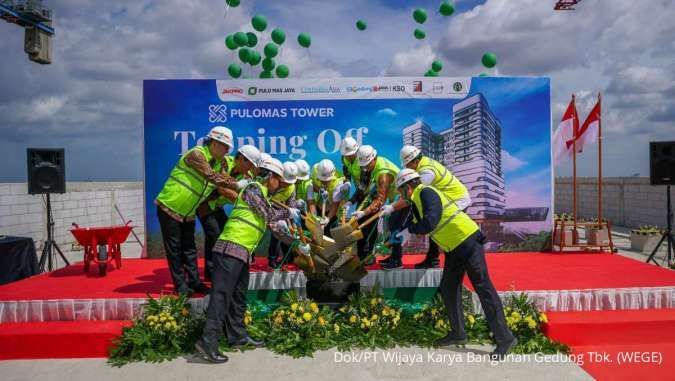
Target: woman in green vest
x: 211, y: 214
x: 435, y: 214
x: 191, y: 181
x: 251, y: 216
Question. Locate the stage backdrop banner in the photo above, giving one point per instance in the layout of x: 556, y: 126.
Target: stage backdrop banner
x: 493, y: 133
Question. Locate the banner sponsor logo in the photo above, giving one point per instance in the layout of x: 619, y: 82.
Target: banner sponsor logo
x: 217, y: 113
x: 417, y: 86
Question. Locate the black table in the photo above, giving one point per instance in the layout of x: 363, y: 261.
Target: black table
x: 17, y: 259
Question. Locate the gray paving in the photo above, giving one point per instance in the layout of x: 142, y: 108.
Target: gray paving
x: 395, y: 364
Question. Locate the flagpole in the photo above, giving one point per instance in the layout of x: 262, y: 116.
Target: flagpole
x: 574, y: 179
x: 600, y: 161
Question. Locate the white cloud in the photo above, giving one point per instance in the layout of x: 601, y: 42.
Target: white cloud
x: 387, y: 112
x: 510, y: 162
x: 412, y: 62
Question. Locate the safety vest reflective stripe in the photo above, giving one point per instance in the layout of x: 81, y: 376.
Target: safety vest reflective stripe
x: 248, y: 223
x: 353, y: 169
x: 245, y: 227
x: 444, y: 180
x: 187, y: 186
x: 284, y: 194
x: 189, y: 172
x: 384, y: 166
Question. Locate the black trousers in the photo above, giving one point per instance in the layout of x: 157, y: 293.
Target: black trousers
x: 469, y: 258
x: 396, y: 222
x: 212, y: 224
x: 227, y: 304
x: 181, y: 251
x: 277, y: 250
x: 367, y: 244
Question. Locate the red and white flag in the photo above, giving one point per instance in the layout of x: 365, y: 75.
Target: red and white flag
x: 567, y: 130
x: 588, y: 132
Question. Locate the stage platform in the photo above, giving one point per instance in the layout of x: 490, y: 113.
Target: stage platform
x: 557, y: 282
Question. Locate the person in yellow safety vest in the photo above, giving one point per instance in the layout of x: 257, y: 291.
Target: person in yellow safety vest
x: 285, y: 196
x: 350, y: 163
x: 251, y: 216
x: 303, y: 184
x: 380, y: 172
x: 211, y: 214
x: 435, y: 214
x: 327, y: 191
x: 191, y: 181
x: 431, y: 173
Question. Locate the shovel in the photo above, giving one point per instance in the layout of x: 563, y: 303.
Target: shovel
x: 357, y: 234
x: 339, y: 233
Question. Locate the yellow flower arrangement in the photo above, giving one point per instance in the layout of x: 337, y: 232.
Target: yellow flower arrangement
x: 530, y: 322
x: 307, y: 316
x: 353, y: 319
x: 543, y: 318
x: 321, y: 321
x: 314, y: 307
x: 294, y: 306
x: 471, y: 319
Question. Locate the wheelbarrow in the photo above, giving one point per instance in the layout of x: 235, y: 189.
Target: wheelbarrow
x: 102, y: 245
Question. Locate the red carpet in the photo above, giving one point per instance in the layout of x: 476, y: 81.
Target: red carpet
x: 63, y: 339
x: 639, y: 345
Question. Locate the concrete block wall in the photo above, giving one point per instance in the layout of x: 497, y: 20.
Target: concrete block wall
x: 627, y: 201
x: 84, y: 203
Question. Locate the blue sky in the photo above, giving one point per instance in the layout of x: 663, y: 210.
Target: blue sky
x: 89, y: 100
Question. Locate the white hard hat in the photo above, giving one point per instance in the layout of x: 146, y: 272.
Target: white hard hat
x: 408, y: 154
x: 366, y: 154
x: 290, y: 172
x: 303, y: 169
x: 349, y: 146
x: 325, y: 170
x: 405, y: 175
x: 251, y: 153
x: 221, y: 134
x: 271, y: 164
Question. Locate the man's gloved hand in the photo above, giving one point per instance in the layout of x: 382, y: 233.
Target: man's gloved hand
x: 283, y: 226
x: 294, y: 214
x: 323, y: 221
x: 399, y: 237
x: 323, y: 195
x: 347, y: 205
x: 345, y: 189
x: 387, y: 210
x: 358, y: 215
x: 304, y: 249
x: 300, y: 204
x: 241, y: 184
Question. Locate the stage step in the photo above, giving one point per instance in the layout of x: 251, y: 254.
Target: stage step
x: 612, y: 327
x: 60, y: 339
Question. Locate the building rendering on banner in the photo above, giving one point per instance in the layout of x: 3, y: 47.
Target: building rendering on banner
x: 471, y: 149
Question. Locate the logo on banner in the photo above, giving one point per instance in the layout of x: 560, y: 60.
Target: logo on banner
x: 252, y: 90
x: 437, y: 88
x: 457, y: 86
x: 217, y: 113
x: 232, y: 90
x: 417, y: 86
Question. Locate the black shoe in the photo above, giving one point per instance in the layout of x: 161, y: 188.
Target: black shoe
x: 201, y: 289
x: 211, y: 356
x: 248, y: 341
x: 450, y: 339
x: 390, y: 258
x: 428, y: 263
x: 392, y: 265
x: 503, y: 349
x: 272, y: 263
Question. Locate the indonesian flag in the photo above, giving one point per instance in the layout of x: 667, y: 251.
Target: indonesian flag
x: 588, y: 133
x: 567, y: 130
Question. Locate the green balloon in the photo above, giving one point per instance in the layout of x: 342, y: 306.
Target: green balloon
x: 233, y: 3
x: 361, y: 25
x: 446, y: 9
x: 234, y: 70
x: 420, y: 34
x: 254, y: 58
x: 431, y: 73
x: 489, y: 60
x: 244, y: 54
x: 230, y: 43
x: 241, y: 38
x: 252, y: 39
x: 420, y: 15
x: 259, y: 22
x: 268, y: 64
x: 437, y: 66
x: 278, y: 36
x: 271, y: 50
x: 304, y: 39
x: 282, y: 71
x: 265, y: 74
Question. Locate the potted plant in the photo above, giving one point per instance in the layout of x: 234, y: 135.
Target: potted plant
x: 645, y: 238
x: 569, y: 235
x: 596, y: 234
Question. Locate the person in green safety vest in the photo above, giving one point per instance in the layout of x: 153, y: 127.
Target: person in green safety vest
x: 251, y: 216
x: 327, y: 192
x: 302, y: 184
x: 350, y: 163
x: 285, y: 196
x: 431, y: 173
x: 191, y: 181
x: 435, y: 214
x: 380, y: 173
x: 211, y: 214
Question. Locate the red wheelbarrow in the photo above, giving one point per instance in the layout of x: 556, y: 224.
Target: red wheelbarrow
x: 102, y: 245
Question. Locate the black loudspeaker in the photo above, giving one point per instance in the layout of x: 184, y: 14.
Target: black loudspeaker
x: 662, y: 163
x: 46, y: 170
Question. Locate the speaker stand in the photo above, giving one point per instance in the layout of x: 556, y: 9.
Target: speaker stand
x: 50, y: 244
x: 667, y: 235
